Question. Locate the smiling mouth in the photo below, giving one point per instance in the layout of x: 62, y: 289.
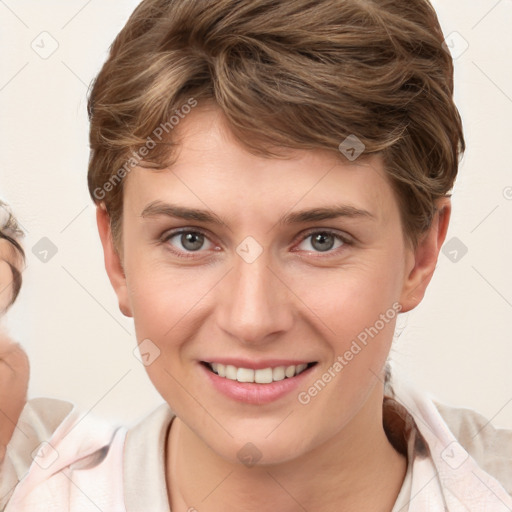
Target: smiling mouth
x: 262, y: 376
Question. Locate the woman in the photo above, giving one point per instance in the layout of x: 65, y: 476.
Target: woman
x: 272, y: 186
x: 13, y: 360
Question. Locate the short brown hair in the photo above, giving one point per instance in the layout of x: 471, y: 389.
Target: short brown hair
x: 299, y: 74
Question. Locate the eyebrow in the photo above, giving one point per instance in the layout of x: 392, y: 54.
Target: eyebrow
x: 158, y: 208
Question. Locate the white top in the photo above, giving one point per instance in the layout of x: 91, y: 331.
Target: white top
x: 60, y: 461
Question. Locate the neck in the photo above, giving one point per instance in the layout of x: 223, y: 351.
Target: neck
x: 357, y: 469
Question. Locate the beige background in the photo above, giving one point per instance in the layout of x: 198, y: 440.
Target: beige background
x: 457, y: 344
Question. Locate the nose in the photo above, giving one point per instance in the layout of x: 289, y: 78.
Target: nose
x: 254, y: 305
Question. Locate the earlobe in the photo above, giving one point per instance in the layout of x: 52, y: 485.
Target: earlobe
x: 113, y: 263
x: 424, y: 258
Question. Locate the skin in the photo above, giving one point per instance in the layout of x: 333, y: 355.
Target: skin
x: 8, y: 256
x: 293, y: 301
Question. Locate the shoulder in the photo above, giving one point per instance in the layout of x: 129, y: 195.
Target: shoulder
x: 491, y: 447
x: 53, y: 436
x: 38, y: 421
x: 471, y: 457
x: 59, y: 455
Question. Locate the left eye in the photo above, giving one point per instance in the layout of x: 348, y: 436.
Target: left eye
x: 322, y: 241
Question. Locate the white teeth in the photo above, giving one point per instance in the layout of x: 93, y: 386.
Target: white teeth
x: 301, y: 367
x: 244, y: 375
x: 230, y: 372
x: 263, y: 376
x: 290, y: 371
x: 222, y: 370
x: 278, y: 373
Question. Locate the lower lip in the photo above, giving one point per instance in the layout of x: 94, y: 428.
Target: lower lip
x: 252, y: 393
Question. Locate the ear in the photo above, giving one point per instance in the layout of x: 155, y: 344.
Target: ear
x: 113, y: 263
x: 422, y: 260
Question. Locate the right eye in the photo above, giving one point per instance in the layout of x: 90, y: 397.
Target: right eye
x: 185, y: 242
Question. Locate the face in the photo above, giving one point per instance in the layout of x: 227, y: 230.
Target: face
x: 300, y: 259
x: 7, y: 259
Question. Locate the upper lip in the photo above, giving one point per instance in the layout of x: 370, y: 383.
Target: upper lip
x: 257, y: 365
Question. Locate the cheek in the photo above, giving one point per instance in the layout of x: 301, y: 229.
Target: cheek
x: 160, y: 293
x: 162, y: 303
x: 161, y: 299
x: 169, y: 307
x: 357, y: 312
x: 6, y: 290
x: 349, y: 299
x: 354, y: 311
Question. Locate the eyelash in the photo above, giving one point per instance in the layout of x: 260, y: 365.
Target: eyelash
x: 191, y: 254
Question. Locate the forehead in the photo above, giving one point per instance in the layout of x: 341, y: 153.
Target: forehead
x: 212, y: 170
